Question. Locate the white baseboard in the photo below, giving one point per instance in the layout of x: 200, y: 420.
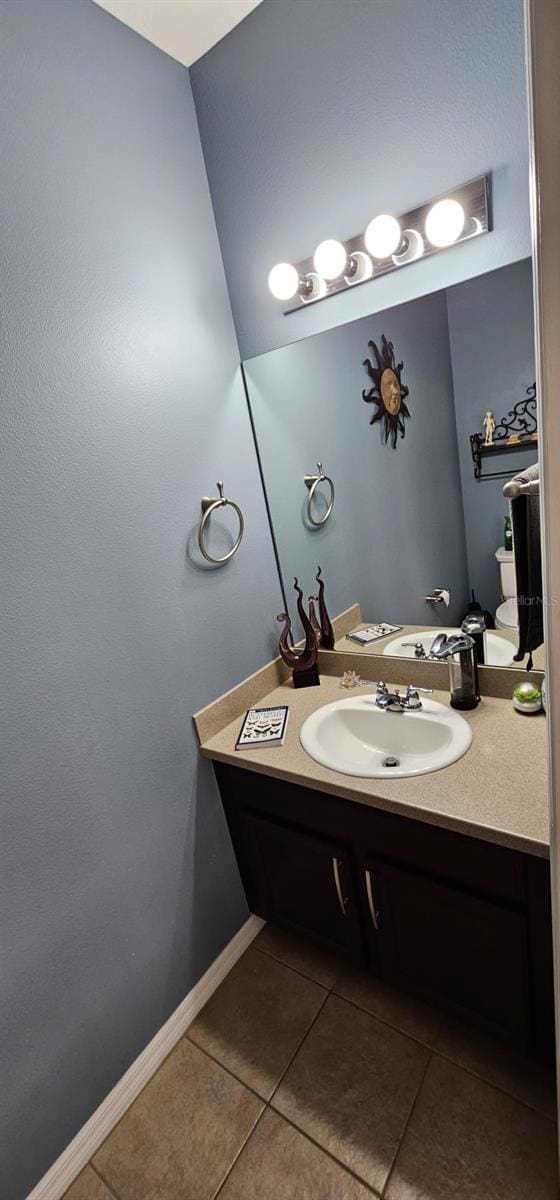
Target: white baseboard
x: 76, y: 1156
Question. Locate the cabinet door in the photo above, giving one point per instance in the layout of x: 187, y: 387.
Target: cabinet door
x: 304, y: 883
x: 466, y: 954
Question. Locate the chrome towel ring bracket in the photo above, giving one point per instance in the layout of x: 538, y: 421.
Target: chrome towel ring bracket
x: 312, y: 483
x: 209, y: 504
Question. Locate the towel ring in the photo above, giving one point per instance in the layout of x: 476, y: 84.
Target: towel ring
x: 312, y: 483
x: 209, y: 504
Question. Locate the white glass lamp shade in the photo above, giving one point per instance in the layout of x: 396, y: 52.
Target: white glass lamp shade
x: 283, y: 281
x: 330, y: 259
x: 383, y: 236
x: 445, y: 222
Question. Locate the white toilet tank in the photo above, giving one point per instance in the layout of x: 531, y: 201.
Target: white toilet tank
x: 506, y: 613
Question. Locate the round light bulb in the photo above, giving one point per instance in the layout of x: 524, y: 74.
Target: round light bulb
x: 330, y: 259
x: 444, y: 222
x: 382, y: 236
x: 283, y: 281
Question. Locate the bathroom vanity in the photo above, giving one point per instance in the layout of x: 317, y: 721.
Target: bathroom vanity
x: 457, y: 921
x: 438, y: 884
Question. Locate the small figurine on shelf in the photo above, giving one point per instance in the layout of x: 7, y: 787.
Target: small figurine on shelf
x: 303, y: 662
x: 327, y: 632
x: 489, y: 426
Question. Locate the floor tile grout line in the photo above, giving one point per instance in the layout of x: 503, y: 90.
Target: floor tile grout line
x: 406, y: 1033
x: 143, y: 1089
x: 299, y: 1046
x: 433, y: 1049
x: 106, y: 1185
x: 539, y: 1112
x: 324, y: 1150
x: 384, y: 1021
x: 228, y: 1070
x: 406, y: 1126
x: 298, y: 971
x: 240, y: 1152
x: 267, y: 1105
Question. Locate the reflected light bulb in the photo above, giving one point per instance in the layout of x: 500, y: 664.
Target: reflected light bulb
x: 330, y: 259
x: 283, y: 281
x: 382, y: 236
x: 444, y: 222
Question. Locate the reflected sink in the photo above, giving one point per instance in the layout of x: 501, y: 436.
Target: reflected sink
x: 499, y: 651
x: 356, y: 737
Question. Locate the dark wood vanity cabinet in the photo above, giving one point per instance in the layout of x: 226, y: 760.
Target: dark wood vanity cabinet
x: 462, y: 923
x: 303, y: 882
x: 452, y: 949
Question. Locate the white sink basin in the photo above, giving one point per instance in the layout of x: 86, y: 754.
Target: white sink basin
x: 499, y: 651
x: 356, y: 737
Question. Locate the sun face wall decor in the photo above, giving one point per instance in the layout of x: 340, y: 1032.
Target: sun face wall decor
x: 388, y: 392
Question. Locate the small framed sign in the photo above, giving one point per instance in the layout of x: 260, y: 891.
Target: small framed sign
x: 263, y: 727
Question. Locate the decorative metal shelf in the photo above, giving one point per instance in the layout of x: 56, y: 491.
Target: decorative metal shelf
x: 517, y: 431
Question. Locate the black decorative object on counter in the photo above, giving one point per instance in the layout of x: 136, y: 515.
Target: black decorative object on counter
x: 516, y: 431
x: 388, y: 392
x: 302, y: 662
x: 327, y: 631
x: 313, y: 618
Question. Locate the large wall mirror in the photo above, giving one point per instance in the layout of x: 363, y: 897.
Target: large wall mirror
x: 410, y: 519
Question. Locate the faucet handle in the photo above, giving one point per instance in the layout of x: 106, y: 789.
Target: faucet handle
x: 382, y: 689
x: 418, y: 647
x: 413, y: 701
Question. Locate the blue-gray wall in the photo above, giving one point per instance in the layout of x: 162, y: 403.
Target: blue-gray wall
x: 316, y: 114
x: 122, y: 405
x: 493, y: 360
x: 397, y: 529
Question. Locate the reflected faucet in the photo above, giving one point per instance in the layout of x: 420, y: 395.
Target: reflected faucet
x: 463, y: 670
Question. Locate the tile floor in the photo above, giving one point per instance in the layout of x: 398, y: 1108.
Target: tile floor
x: 306, y: 1080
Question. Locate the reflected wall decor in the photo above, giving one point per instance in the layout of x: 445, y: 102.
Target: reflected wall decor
x: 388, y: 392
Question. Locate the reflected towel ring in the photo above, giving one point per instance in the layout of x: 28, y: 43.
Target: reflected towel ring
x: 209, y: 504
x: 312, y: 482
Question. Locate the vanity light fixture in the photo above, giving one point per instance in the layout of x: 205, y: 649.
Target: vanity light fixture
x: 388, y: 244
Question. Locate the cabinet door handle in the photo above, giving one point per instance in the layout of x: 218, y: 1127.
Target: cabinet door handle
x: 341, y: 900
x: 371, y: 903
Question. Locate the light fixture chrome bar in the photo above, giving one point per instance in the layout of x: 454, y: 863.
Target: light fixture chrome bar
x: 474, y: 197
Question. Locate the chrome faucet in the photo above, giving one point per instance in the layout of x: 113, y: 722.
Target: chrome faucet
x: 463, y: 671
x: 395, y: 703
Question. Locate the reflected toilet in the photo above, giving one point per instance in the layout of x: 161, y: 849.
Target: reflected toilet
x: 506, y: 612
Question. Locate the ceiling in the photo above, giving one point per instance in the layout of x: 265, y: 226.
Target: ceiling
x: 185, y: 29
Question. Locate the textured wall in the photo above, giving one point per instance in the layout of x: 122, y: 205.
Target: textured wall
x: 316, y: 115
x: 397, y: 528
x: 493, y: 360
x: 122, y: 406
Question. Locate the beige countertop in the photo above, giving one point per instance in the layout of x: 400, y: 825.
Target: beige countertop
x: 497, y: 791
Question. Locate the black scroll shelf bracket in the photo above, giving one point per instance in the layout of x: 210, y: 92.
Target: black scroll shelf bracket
x: 517, y: 431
